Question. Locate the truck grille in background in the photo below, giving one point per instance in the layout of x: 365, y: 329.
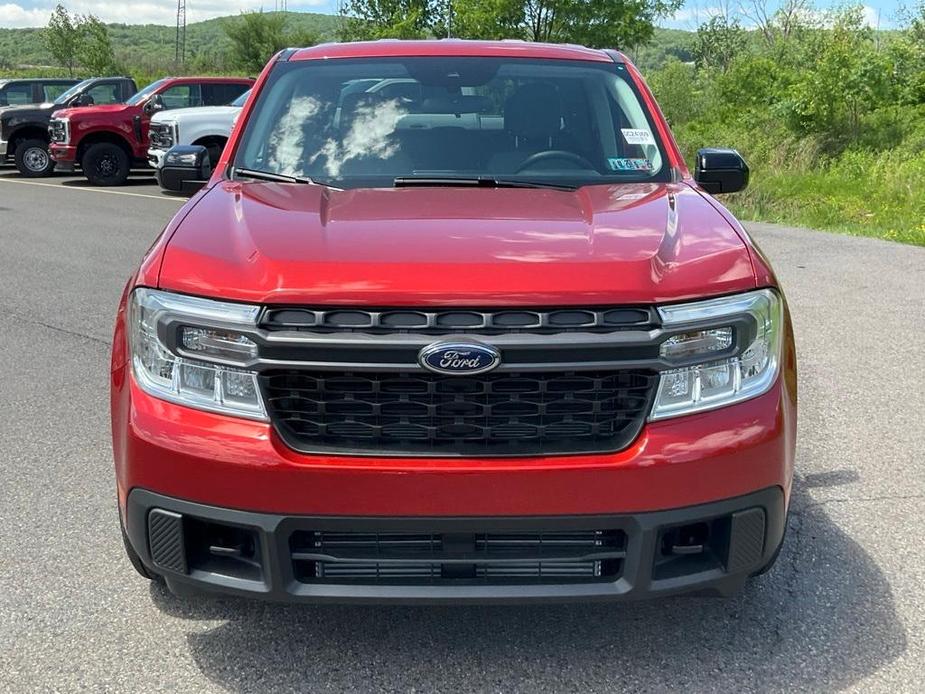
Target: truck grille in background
x: 161, y: 136
x: 452, y: 321
x: 493, y: 414
x: 471, y: 558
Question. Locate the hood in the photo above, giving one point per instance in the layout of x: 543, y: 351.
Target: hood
x: 99, y: 110
x: 201, y: 112
x: 305, y: 244
x: 25, y: 111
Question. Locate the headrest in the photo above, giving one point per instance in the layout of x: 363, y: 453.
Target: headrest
x: 533, y: 111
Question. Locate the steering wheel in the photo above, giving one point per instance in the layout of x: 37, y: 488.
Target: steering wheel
x: 555, y: 154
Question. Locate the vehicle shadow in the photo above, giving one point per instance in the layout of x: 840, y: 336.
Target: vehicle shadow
x: 822, y: 619
x: 136, y: 178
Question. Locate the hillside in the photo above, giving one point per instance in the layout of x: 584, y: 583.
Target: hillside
x: 152, y: 45
x: 148, y: 48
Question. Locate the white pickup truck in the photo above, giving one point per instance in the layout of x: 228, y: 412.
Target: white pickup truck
x: 208, y: 126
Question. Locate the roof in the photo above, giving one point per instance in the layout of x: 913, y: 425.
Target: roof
x: 449, y: 47
x: 210, y: 79
x: 38, y: 80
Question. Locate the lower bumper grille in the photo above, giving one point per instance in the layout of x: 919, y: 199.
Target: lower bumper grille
x: 490, y: 414
x: 415, y: 558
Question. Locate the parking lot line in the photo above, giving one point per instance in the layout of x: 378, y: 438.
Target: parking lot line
x: 92, y: 190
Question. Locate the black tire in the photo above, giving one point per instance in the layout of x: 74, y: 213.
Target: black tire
x: 215, y: 151
x: 136, y: 560
x: 33, y: 160
x: 105, y: 164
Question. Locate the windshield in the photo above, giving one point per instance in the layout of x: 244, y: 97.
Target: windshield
x: 145, y: 93
x: 76, y: 89
x: 239, y: 102
x: 365, y: 123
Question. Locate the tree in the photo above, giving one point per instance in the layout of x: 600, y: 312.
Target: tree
x: 256, y: 36
x: 94, y: 51
x: 719, y: 42
x: 849, y: 78
x: 487, y: 19
x: 597, y: 23
x: 62, y: 36
x: 778, y: 20
x: 366, y: 20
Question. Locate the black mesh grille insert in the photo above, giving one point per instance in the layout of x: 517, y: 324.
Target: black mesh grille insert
x: 468, y: 558
x: 489, y: 414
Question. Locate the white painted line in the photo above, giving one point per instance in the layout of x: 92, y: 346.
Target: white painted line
x: 83, y: 189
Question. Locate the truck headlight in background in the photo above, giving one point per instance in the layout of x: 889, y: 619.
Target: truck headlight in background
x: 215, y: 379
x: 59, y: 130
x: 710, y: 383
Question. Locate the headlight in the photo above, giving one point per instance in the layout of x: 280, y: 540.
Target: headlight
x: 709, y: 382
x: 60, y: 130
x: 215, y: 378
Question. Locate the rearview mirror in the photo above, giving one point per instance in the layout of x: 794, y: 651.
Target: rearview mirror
x: 83, y: 100
x: 184, y: 168
x: 721, y: 171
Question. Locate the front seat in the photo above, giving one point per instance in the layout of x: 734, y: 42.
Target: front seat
x: 532, y: 119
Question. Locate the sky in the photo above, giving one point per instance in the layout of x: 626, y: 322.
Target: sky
x: 34, y: 13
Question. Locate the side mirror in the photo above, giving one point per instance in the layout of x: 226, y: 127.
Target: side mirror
x: 184, y: 168
x: 721, y: 171
x: 154, y: 104
x: 83, y: 100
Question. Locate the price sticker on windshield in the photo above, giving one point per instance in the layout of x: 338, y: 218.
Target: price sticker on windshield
x: 637, y: 136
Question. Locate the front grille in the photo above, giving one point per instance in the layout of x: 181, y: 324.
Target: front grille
x: 161, y: 136
x: 457, y: 558
x: 494, y: 414
x: 458, y: 321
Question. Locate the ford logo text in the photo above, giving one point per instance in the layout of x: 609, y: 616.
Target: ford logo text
x: 459, y: 359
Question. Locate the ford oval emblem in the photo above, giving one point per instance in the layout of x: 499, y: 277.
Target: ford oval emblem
x: 459, y: 358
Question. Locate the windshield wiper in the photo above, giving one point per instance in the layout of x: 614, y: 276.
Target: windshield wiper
x: 474, y: 182
x: 270, y: 176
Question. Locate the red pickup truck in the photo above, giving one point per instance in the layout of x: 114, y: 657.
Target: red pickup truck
x: 453, y: 321
x: 107, y: 141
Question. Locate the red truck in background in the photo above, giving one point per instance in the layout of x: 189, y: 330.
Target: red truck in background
x: 107, y: 141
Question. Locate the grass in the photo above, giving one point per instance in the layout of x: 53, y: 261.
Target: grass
x: 863, y: 194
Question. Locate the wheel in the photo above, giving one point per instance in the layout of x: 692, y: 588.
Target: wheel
x: 105, y: 164
x: 33, y: 160
x: 215, y: 151
x: 136, y: 560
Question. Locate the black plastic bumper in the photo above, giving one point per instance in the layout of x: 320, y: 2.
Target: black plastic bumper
x: 707, y: 549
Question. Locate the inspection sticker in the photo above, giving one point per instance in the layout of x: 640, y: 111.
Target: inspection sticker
x: 629, y: 164
x: 637, y: 136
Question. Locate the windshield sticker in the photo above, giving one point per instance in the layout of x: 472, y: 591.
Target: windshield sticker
x: 629, y: 164
x: 637, y: 136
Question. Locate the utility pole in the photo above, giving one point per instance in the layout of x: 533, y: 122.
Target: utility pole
x: 181, y: 33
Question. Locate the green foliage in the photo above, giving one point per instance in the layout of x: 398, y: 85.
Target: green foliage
x: 94, y: 51
x: 680, y: 92
x: 488, y: 19
x: 829, y: 117
x: 147, y: 50
x: 849, y: 75
x: 719, y: 42
x: 366, y: 20
x: 62, y: 37
x: 255, y: 37
x: 596, y: 23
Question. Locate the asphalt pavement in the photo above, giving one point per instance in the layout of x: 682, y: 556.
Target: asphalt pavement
x: 844, y: 609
